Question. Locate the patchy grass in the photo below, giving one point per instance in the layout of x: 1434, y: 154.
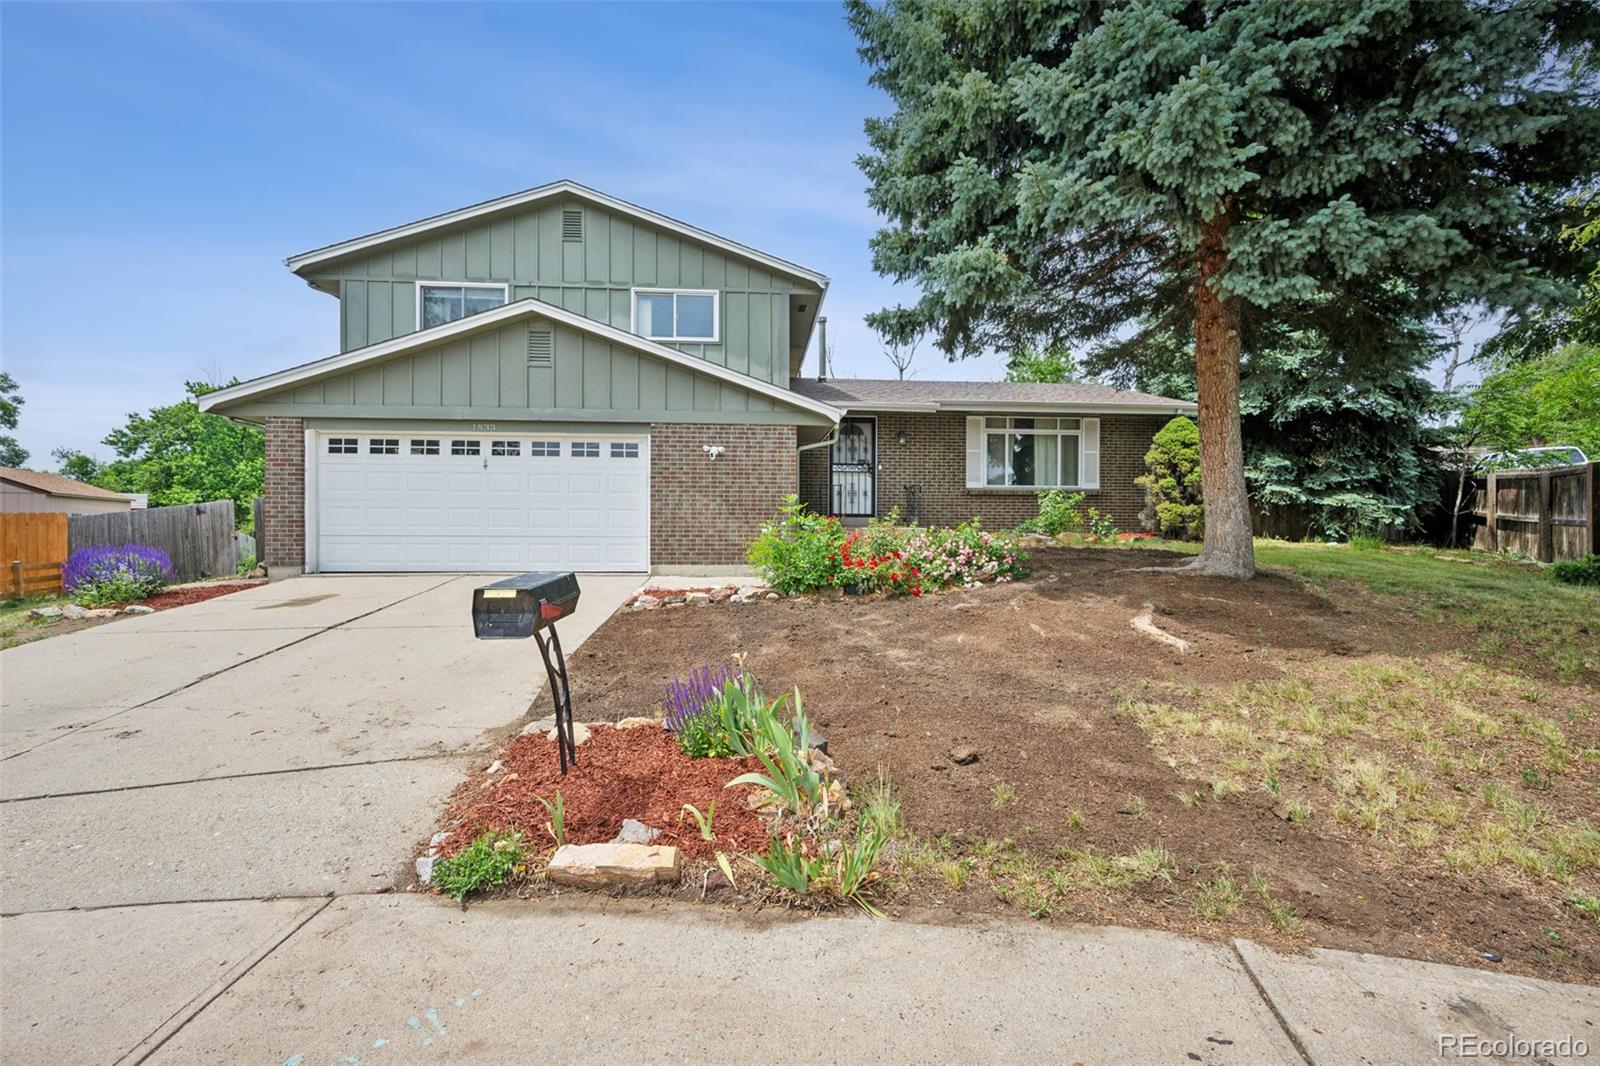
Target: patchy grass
x: 1439, y: 759
x: 17, y: 628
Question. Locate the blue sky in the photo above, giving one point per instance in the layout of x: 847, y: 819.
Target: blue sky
x: 160, y: 162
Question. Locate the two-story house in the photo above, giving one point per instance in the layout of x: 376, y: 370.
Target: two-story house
x: 558, y: 379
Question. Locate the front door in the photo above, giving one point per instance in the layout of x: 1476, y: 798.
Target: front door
x: 855, y: 460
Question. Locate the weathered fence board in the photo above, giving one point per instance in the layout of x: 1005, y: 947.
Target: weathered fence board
x: 1548, y: 515
x: 33, y: 538
x: 197, y: 537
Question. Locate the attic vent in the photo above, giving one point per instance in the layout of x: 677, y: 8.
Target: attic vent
x: 572, y: 223
x: 541, y: 348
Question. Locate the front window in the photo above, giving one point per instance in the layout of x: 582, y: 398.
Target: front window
x: 1036, y: 452
x: 675, y: 316
x: 439, y: 304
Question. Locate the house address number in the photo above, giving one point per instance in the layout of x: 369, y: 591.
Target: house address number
x: 485, y: 427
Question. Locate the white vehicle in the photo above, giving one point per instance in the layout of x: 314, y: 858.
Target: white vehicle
x: 1533, y: 458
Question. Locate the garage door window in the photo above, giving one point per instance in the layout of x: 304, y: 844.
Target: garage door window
x: 586, y: 449
x: 421, y: 446
x: 505, y: 448
x: 464, y: 447
x: 624, y: 450
x: 383, y: 446
x: 343, y: 446
x: 544, y: 449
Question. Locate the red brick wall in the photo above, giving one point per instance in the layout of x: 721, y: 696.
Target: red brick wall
x: 704, y: 511
x: 285, y: 506
x: 935, y: 457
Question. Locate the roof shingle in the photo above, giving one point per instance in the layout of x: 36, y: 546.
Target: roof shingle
x: 56, y: 484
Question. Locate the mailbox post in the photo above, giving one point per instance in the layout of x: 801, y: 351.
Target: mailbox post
x: 529, y: 605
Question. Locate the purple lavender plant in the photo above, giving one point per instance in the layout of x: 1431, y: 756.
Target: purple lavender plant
x: 687, y: 698
x: 135, y: 568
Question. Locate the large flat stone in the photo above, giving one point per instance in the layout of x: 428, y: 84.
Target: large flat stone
x: 609, y: 865
x: 349, y: 829
x: 1346, y: 1007
x: 90, y: 986
x: 606, y: 981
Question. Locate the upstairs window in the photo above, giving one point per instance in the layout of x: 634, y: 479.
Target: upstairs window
x: 441, y: 303
x: 676, y: 315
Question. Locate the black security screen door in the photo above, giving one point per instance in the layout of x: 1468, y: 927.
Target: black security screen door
x: 855, y: 457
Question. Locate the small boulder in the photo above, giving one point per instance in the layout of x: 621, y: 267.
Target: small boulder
x: 673, y: 601
x: 73, y: 611
x: 736, y: 598
x: 962, y: 755
x: 719, y: 595
x: 45, y: 612
x: 425, y: 868
x: 138, y: 608
x: 614, y: 864
x: 636, y: 832
x: 698, y: 599
x: 547, y: 726
x: 638, y: 722
x: 101, y: 612
x: 773, y: 596
x: 749, y: 592
x: 647, y: 602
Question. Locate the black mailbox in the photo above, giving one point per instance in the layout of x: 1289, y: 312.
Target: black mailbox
x: 517, y: 606
x: 529, y: 605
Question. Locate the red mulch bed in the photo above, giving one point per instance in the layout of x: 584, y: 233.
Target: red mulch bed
x: 192, y: 594
x: 635, y: 773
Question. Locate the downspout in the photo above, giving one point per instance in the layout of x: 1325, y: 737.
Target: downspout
x: 831, y: 439
x: 822, y: 347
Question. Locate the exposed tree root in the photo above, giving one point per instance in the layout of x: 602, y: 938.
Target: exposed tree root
x: 1144, y: 622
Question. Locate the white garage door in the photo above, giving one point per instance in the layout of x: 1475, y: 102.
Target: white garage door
x: 405, y: 501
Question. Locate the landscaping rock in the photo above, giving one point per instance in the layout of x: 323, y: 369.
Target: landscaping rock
x: 962, y: 755
x: 73, y: 611
x: 547, y: 726
x: 736, y: 598
x: 138, y: 608
x: 425, y: 869
x: 647, y: 602
x: 698, y: 599
x: 636, y: 832
x: 495, y: 767
x: 638, y: 722
x: 45, y: 612
x: 750, y: 592
x: 720, y: 595
x: 773, y: 596
x: 101, y: 612
x: 610, y: 865
x: 673, y: 601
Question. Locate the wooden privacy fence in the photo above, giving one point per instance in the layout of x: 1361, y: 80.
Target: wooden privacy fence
x: 1548, y: 515
x: 197, y: 537
x: 32, y: 548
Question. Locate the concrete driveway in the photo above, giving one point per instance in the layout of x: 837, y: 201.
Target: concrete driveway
x: 202, y: 813
x: 287, y: 742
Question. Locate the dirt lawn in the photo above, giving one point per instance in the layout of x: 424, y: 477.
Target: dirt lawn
x: 1313, y: 770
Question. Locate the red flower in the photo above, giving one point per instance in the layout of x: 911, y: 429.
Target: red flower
x: 916, y: 591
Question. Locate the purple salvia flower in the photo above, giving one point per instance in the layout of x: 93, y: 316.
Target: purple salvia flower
x: 686, y: 698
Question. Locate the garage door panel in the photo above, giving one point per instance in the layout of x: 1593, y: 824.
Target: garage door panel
x: 381, y: 511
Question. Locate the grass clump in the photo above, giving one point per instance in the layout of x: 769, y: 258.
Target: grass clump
x: 486, y: 862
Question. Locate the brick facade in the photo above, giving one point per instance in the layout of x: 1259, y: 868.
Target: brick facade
x: 934, y: 457
x: 284, y: 546
x: 704, y: 511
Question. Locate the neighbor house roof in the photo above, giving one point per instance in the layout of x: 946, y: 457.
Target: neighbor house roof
x: 527, y: 307
x: 306, y: 260
x: 867, y: 394
x: 56, y: 485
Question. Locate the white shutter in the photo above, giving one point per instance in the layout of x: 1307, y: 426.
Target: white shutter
x: 975, y: 463
x: 1089, y: 475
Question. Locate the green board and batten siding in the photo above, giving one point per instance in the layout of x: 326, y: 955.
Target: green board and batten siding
x: 592, y: 277
x: 488, y: 375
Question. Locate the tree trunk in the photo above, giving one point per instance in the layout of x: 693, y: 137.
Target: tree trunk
x: 1227, y: 549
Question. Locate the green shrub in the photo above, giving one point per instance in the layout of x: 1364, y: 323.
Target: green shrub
x: 1059, y: 512
x: 798, y: 551
x: 965, y: 556
x: 246, y: 564
x: 700, y: 738
x: 1585, y: 571
x: 1099, y: 524
x: 1172, y: 480
x: 487, y: 861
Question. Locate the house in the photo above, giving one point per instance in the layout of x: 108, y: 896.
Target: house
x: 559, y: 379
x: 31, y: 491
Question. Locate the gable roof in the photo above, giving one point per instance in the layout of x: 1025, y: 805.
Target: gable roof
x: 527, y: 307
x: 868, y: 394
x: 316, y: 256
x: 56, y: 484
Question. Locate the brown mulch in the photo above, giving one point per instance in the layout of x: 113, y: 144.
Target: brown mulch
x: 182, y: 597
x: 1028, y: 675
x: 637, y: 773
